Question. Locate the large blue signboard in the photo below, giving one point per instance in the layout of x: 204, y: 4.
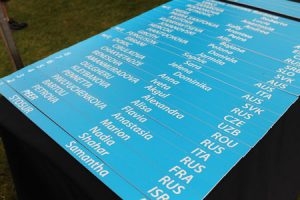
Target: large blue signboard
x: 164, y: 105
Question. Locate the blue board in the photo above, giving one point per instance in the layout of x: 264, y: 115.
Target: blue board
x: 163, y: 106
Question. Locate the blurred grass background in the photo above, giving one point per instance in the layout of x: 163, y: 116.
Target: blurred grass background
x: 54, y: 25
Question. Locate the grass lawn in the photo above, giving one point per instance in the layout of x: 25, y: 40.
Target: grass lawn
x: 54, y: 25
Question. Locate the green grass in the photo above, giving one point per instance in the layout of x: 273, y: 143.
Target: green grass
x: 54, y: 25
x: 6, y: 186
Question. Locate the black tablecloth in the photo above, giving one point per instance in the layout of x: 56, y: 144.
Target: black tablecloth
x: 43, y: 170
